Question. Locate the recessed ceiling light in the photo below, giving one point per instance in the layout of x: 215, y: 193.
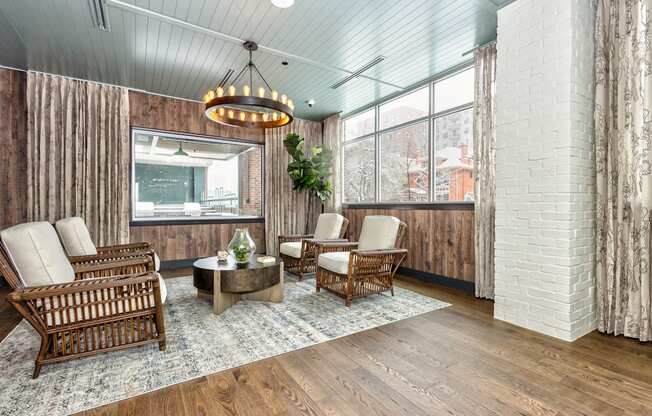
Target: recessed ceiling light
x: 283, y: 4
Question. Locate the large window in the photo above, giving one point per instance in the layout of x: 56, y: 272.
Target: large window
x: 179, y: 177
x: 392, y: 151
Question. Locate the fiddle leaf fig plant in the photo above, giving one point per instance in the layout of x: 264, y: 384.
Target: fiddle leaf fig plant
x: 309, y: 172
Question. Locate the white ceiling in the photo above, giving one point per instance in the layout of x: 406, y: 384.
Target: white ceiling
x: 173, y: 47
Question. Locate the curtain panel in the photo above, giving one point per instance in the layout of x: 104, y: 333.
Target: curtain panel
x: 623, y: 104
x: 332, y: 140
x: 484, y: 150
x: 287, y: 211
x: 78, y: 156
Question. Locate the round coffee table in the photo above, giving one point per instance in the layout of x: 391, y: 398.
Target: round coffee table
x: 227, y: 283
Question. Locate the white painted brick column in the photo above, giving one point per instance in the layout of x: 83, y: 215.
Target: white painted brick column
x: 545, y: 168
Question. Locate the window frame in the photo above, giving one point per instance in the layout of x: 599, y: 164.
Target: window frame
x: 430, y: 118
x: 145, y: 221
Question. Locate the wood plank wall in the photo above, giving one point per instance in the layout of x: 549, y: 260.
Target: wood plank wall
x: 180, y: 242
x: 439, y: 241
x: 13, y: 142
x: 183, y: 116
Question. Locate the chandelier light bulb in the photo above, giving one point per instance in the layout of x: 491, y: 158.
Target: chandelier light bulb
x: 283, y: 4
x: 240, y: 103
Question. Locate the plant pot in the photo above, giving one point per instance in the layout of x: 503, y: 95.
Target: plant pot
x: 241, y: 247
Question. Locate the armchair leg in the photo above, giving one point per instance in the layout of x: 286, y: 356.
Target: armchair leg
x: 161, y: 345
x: 41, y: 354
x: 37, y: 370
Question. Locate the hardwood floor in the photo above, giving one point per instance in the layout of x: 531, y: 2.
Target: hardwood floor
x: 455, y: 361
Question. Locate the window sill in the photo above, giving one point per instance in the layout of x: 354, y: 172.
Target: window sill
x: 193, y: 221
x: 429, y: 206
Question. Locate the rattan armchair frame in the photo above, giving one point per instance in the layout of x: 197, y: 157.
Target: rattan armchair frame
x: 112, y: 304
x: 369, y: 271
x: 306, y: 263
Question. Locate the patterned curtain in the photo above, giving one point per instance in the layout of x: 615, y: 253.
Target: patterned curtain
x: 78, y: 154
x: 484, y: 150
x: 623, y: 100
x: 332, y: 140
x: 287, y: 211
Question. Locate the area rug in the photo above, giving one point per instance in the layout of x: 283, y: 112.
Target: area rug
x: 198, y: 343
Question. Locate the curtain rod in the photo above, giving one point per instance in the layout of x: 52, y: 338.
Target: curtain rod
x: 478, y: 46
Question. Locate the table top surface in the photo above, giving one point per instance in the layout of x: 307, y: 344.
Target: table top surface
x: 211, y: 263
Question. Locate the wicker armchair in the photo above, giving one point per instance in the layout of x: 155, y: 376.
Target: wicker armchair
x: 76, y: 240
x: 298, y: 251
x: 80, y: 308
x: 358, y: 269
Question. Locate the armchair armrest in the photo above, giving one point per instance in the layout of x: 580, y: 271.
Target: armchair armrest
x: 122, y: 248
x: 310, y: 244
x: 334, y: 247
x: 380, y: 252
x: 293, y: 238
x: 49, y: 308
x: 97, y: 267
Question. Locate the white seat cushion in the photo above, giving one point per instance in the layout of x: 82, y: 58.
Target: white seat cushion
x: 157, y: 262
x: 378, y: 232
x: 329, y: 226
x: 292, y: 249
x: 36, y: 252
x: 75, y: 237
x: 337, y: 262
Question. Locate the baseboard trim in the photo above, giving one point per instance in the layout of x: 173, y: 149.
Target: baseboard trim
x: 427, y: 277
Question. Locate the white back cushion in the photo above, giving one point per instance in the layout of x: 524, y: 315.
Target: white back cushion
x: 37, y: 254
x: 378, y: 232
x: 75, y: 237
x: 329, y: 226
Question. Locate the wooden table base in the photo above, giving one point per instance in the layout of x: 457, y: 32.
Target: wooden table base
x: 224, y: 300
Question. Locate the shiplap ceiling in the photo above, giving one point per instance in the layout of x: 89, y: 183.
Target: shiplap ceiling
x: 161, y: 46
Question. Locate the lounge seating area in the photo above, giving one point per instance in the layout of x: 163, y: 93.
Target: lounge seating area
x: 304, y: 207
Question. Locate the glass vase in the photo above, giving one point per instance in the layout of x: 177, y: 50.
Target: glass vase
x: 241, y: 246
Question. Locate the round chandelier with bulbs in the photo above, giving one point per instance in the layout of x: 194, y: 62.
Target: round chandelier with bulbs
x: 262, y: 107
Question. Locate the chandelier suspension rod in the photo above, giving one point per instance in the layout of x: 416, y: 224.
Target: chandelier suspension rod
x: 251, y: 65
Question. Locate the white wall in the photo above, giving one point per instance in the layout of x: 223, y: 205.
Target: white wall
x: 545, y: 168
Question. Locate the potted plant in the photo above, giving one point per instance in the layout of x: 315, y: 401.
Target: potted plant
x: 309, y: 171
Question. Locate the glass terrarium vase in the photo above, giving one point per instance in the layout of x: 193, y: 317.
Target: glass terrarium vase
x: 241, y: 246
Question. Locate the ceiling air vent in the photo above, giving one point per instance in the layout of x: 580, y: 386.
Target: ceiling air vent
x: 100, y: 15
x: 358, y: 72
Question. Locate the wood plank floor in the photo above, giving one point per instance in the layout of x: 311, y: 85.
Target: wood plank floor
x: 455, y: 361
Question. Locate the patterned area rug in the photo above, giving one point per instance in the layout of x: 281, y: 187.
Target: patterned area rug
x: 198, y: 343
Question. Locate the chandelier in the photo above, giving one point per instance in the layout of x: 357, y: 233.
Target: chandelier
x: 262, y: 108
